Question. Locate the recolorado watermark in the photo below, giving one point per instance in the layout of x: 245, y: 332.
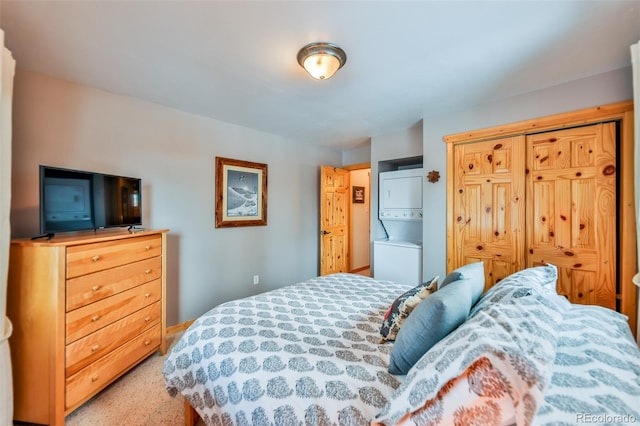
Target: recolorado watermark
x: 605, y: 418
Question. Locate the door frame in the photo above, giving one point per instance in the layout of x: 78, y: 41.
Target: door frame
x: 351, y: 168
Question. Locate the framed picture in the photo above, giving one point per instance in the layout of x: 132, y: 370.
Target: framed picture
x: 241, y: 193
x: 358, y: 194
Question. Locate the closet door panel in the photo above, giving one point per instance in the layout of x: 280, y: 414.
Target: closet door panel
x: 501, y: 213
x: 488, y: 206
x: 472, y: 207
x: 571, y: 211
x: 542, y: 221
x: 583, y: 226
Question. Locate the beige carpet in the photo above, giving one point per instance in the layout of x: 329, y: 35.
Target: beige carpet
x: 136, y: 399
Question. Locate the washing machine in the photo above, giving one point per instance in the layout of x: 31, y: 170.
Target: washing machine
x: 398, y: 257
x: 397, y: 260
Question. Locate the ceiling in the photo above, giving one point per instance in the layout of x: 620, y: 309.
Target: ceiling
x: 235, y: 61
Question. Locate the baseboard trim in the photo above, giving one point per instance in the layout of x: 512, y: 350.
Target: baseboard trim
x: 353, y: 271
x: 178, y: 328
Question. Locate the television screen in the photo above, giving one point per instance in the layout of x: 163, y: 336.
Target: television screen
x: 75, y: 200
x: 67, y: 204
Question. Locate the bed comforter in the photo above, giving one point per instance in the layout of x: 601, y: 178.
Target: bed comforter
x: 311, y: 354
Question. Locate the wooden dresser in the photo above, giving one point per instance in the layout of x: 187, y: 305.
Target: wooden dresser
x: 86, y: 308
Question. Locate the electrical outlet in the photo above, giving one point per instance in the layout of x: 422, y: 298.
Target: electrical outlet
x: 256, y: 279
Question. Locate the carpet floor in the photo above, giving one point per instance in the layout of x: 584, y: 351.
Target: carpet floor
x: 138, y: 398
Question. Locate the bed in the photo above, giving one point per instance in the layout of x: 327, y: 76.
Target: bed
x: 312, y: 353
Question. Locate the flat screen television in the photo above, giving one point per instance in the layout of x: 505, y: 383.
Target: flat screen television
x: 76, y: 200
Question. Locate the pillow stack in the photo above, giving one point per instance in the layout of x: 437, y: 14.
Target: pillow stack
x: 496, y: 367
x: 437, y: 316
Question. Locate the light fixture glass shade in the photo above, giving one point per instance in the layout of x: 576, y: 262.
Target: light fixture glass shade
x: 321, y: 66
x: 321, y: 60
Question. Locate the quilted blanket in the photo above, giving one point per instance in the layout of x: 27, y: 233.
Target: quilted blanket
x: 303, y: 354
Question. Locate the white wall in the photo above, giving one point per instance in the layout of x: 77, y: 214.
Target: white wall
x: 614, y: 86
x: 62, y: 124
x: 360, y: 155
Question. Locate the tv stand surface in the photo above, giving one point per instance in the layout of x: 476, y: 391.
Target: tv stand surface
x: 48, y: 236
x: 103, y: 234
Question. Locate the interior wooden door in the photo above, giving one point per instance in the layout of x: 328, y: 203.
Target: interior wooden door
x: 571, y: 210
x: 488, y: 206
x: 334, y: 220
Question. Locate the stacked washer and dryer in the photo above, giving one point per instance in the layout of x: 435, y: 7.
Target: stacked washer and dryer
x: 398, y: 257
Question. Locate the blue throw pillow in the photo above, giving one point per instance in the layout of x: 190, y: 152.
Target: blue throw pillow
x: 451, y: 277
x: 473, y: 273
x: 432, y: 320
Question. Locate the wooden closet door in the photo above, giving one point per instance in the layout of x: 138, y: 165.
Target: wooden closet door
x: 571, y: 210
x: 488, y: 209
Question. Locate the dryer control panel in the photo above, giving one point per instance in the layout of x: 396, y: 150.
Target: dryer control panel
x: 401, y: 214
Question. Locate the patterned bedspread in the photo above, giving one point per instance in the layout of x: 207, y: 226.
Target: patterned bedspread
x: 303, y: 354
x: 596, y: 373
x: 311, y: 354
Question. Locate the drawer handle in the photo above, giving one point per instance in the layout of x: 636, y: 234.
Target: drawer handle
x: 95, y: 258
x: 95, y: 348
x: 95, y: 318
x: 147, y: 248
x: 147, y: 319
x: 147, y: 295
x: 95, y: 288
x: 147, y: 342
x: 94, y: 378
x: 147, y: 271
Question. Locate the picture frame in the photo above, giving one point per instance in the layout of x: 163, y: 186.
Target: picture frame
x: 358, y: 194
x: 241, y: 193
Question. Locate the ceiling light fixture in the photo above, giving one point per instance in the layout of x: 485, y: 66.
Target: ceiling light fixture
x: 321, y: 60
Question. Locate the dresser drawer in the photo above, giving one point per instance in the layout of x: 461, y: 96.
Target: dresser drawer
x: 82, y: 385
x: 90, y: 318
x: 93, y: 287
x: 88, y: 258
x: 84, y: 351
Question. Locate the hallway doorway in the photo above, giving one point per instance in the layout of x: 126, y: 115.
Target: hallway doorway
x: 360, y: 219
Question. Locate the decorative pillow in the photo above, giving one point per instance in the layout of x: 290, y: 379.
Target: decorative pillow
x: 474, y: 273
x: 433, y: 319
x: 451, y: 277
x: 478, y: 396
x: 497, y: 364
x: 402, y: 307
